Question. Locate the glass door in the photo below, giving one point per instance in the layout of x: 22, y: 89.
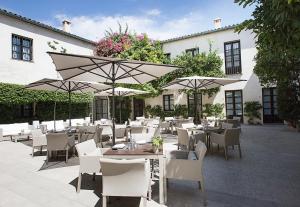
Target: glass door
x: 234, y: 104
x: 101, y: 106
x: 270, y: 112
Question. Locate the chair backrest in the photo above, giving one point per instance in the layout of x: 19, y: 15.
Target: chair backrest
x: 140, y: 118
x: 86, y: 147
x: 183, y: 137
x: 36, y: 124
x: 232, y: 136
x: 137, y: 129
x: 125, y: 177
x: 200, y: 150
x: 169, y: 118
x: 57, y: 141
x: 107, y: 130
x: 226, y: 125
x: 120, y: 132
x: 188, y: 125
x: 154, y: 131
x: 234, y: 122
x: 99, y: 130
x: 136, y: 123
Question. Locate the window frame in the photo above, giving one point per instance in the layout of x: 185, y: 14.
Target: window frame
x: 22, y: 38
x: 233, y: 104
x: 233, y: 69
x: 170, y: 106
x: 192, y: 50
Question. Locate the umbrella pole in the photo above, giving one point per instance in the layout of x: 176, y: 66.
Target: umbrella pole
x: 69, y: 104
x: 195, y: 108
x: 120, y: 109
x: 113, y: 104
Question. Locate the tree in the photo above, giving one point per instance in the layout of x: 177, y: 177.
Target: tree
x: 276, y: 24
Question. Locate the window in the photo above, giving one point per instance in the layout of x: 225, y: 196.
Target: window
x: 191, y: 106
x: 192, y: 51
x: 21, y: 48
x: 25, y: 111
x: 234, y: 103
x: 168, y: 55
x: 168, y: 102
x: 232, y: 51
x: 101, y: 109
x: 270, y: 111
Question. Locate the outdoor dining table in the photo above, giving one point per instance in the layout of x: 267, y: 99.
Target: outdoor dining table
x: 207, y: 130
x: 143, y: 151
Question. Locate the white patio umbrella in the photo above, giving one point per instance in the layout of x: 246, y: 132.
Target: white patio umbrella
x: 120, y: 91
x: 67, y: 86
x: 107, y: 70
x: 199, y: 82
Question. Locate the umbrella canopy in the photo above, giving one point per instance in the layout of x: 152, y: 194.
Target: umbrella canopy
x: 107, y: 70
x: 67, y: 86
x: 199, y: 82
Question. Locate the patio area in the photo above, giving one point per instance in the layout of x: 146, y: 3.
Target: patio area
x: 267, y: 175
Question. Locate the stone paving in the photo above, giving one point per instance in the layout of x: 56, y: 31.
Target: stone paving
x: 267, y: 175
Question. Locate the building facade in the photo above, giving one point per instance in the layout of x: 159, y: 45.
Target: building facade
x: 24, y: 46
x: 237, y: 50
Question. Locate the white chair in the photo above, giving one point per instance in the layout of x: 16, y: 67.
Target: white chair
x: 36, y: 124
x: 89, y: 159
x: 146, y: 136
x: 121, y: 132
x: 183, y: 139
x: 168, y: 118
x: 140, y: 118
x: 38, y: 140
x: 59, y: 142
x: 187, y: 165
x: 128, y: 178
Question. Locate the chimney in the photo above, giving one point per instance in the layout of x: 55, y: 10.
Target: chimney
x: 217, y: 23
x: 66, y: 26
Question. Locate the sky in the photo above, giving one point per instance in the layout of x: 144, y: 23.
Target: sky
x: 160, y: 19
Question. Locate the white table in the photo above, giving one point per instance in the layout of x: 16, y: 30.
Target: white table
x: 144, y: 151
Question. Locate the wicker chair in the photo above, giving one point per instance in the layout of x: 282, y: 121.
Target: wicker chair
x: 230, y: 137
x: 187, y: 165
x: 128, y: 178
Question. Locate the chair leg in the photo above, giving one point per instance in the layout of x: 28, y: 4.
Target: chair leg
x: 104, y: 201
x: 225, y: 152
x: 47, y: 158
x: 240, y: 151
x: 233, y: 147
x: 79, y: 183
x: 67, y: 152
x: 144, y: 202
x: 94, y: 176
x: 201, y: 185
x: 218, y: 148
x: 32, y: 151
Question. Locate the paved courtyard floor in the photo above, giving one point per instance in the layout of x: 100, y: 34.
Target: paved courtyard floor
x: 267, y: 175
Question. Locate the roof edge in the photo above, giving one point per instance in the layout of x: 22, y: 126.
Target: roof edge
x: 233, y: 26
x: 42, y: 25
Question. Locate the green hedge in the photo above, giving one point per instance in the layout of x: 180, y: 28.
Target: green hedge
x: 13, y: 96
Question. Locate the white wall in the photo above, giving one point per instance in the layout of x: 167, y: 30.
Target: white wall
x: 22, y: 72
x: 251, y: 88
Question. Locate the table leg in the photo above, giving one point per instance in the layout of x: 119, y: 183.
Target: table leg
x: 162, y: 189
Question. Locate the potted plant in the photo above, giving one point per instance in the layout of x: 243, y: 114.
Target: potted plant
x: 252, y: 111
x: 157, y: 143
